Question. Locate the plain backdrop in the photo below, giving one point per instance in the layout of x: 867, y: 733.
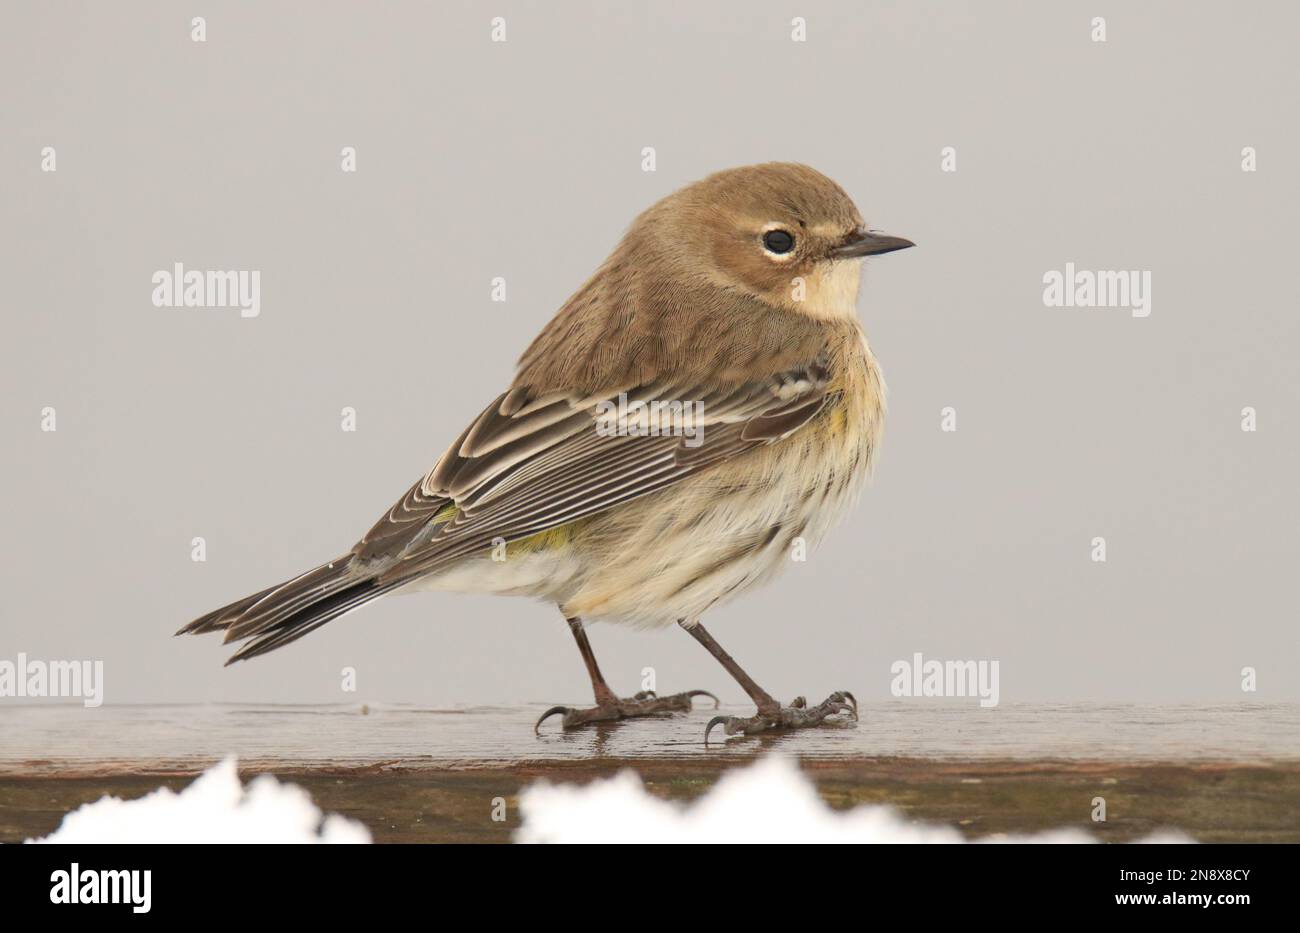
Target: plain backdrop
x: 523, y: 159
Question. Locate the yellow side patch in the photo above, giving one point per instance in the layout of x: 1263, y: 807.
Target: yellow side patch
x: 839, y: 419
x: 550, y: 539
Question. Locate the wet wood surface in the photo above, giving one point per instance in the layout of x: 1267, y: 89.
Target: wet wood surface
x: 1217, y: 773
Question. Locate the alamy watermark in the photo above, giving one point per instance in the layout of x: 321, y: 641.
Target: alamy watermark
x: 655, y: 418
x: 26, y: 677
x: 1106, y: 288
x: 80, y: 885
x: 195, y: 288
x: 932, y: 678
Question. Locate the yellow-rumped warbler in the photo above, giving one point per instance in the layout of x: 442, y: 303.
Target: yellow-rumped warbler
x: 702, y: 401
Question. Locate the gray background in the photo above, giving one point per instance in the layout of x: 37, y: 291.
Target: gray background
x: 523, y: 160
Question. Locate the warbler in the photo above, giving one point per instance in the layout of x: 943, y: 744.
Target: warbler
x: 730, y: 305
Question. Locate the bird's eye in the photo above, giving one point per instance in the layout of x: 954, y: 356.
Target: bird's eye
x: 778, y: 241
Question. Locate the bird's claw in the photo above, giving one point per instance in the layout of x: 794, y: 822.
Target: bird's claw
x: 537, y: 728
x: 645, y: 703
x: 798, y: 715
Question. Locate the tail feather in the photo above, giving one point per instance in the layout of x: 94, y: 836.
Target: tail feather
x: 275, y: 616
x: 218, y: 619
x: 293, y: 596
x: 311, y: 618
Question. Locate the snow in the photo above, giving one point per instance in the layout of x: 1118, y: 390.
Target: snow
x: 770, y: 801
x: 215, y: 808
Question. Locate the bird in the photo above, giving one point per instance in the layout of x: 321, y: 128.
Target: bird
x: 705, y: 400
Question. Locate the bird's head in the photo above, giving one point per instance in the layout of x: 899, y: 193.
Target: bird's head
x: 780, y: 231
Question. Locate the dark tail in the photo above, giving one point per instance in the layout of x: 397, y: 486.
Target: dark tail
x: 286, y: 612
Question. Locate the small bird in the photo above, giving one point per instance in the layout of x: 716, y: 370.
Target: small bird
x: 706, y: 398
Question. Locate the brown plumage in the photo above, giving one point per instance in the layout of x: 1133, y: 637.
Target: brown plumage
x: 736, y: 295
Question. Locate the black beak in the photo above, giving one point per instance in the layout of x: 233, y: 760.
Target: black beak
x: 868, y: 243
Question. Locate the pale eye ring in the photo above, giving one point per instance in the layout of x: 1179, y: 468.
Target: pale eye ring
x: 779, y: 242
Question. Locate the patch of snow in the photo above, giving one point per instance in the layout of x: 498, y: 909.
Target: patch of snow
x: 772, y: 801
x: 215, y: 808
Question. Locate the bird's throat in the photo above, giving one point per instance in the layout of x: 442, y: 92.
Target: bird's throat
x: 830, y: 292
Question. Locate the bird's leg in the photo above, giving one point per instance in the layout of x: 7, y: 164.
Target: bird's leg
x: 608, y: 705
x: 771, y: 714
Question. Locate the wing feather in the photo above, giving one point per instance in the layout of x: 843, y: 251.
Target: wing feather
x: 526, y: 465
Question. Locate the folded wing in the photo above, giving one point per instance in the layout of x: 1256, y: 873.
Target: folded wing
x: 529, y: 464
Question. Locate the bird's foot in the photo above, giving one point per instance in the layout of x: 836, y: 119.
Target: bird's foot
x: 798, y: 715
x: 645, y: 703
